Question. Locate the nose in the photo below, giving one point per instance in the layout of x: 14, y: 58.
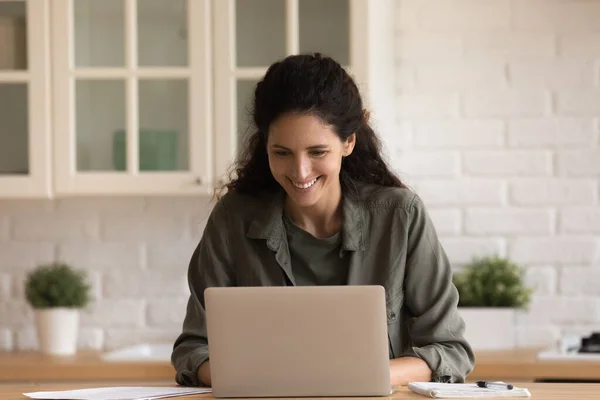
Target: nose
x: 301, y: 168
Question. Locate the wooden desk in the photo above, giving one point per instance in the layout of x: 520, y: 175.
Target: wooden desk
x: 514, y: 365
x: 539, y: 391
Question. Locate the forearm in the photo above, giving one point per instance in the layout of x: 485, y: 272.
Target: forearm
x: 408, y: 369
x: 402, y: 371
x: 204, y: 374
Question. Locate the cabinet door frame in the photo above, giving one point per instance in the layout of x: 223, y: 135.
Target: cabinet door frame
x: 371, y: 65
x: 38, y: 182
x: 199, y: 178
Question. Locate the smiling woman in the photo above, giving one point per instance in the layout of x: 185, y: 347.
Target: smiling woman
x: 305, y: 158
x: 309, y: 112
x: 312, y: 202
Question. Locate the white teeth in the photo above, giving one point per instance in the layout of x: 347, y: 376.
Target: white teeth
x: 305, y: 185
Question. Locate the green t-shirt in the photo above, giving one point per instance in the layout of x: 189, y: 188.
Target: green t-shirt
x: 315, y: 261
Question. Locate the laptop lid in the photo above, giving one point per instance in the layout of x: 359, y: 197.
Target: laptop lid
x: 298, y: 341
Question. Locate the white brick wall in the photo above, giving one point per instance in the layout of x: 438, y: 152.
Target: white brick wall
x: 556, y: 15
x: 556, y: 191
x: 447, y: 222
x: 138, y: 284
x: 584, y: 45
x: 459, y: 134
x: 526, y: 130
x: 552, y: 132
x: 102, y: 313
x: 507, y: 163
x: 119, y: 337
x: 461, y: 192
x: 542, y: 279
x: 506, y: 103
x: 6, y: 340
x: 166, y: 312
x: 97, y: 255
x: 5, y: 287
x: 557, y: 74
x: 4, y: 228
x: 580, y: 281
x: 580, y: 102
x: 580, y: 220
x: 461, y: 250
x: 579, y: 163
x: 504, y: 45
x: 26, y: 338
x: 91, y: 338
x: 508, y: 221
x: 134, y: 250
x: 498, y: 109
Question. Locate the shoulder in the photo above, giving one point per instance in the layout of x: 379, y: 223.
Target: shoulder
x: 374, y: 197
x: 234, y: 199
x: 239, y: 206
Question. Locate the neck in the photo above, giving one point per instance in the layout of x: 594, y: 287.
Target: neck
x: 324, y: 219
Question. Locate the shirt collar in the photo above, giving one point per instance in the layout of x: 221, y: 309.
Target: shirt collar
x: 268, y: 223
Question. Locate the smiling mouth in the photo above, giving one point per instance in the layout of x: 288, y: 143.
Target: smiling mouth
x: 305, y: 185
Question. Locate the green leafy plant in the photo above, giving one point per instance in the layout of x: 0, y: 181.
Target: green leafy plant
x: 57, y: 285
x: 492, y: 282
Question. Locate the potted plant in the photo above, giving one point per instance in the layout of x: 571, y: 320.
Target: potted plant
x: 57, y: 292
x: 490, y: 290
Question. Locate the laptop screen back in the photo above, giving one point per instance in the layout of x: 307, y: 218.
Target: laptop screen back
x: 298, y: 341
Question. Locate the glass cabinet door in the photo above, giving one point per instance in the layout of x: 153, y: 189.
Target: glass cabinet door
x: 324, y: 26
x: 252, y: 34
x: 132, y: 95
x: 24, y: 131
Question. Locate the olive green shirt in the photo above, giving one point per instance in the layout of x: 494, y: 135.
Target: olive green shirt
x: 389, y: 240
x: 315, y: 261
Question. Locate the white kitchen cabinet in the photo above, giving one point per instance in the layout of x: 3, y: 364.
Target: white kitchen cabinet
x: 151, y: 96
x: 132, y: 97
x: 24, y: 100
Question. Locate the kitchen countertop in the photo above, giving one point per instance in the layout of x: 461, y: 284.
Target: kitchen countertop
x: 518, y: 365
x: 84, y: 366
x: 523, y: 365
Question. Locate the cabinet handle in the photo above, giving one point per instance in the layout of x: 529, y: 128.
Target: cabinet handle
x: 198, y: 181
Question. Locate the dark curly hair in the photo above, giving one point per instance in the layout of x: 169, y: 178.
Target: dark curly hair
x: 316, y: 85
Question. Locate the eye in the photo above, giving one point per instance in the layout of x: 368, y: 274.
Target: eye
x: 280, y: 153
x: 318, y: 153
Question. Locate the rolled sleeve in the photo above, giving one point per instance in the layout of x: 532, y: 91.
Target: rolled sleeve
x: 211, y: 265
x: 436, y: 330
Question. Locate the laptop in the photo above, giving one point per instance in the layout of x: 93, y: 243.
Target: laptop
x: 305, y: 341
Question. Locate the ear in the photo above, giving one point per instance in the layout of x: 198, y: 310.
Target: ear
x: 348, y: 145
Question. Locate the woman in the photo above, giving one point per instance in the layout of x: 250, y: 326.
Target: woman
x: 313, y: 203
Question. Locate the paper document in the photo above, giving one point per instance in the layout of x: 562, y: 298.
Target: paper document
x: 463, y: 390
x: 119, y: 393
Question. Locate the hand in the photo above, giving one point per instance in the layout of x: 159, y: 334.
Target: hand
x: 204, y: 374
x: 408, y: 369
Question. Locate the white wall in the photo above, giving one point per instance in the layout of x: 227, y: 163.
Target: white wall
x: 498, y: 107
x: 135, y: 251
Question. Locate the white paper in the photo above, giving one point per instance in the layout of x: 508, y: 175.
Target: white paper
x: 118, y: 393
x: 463, y: 390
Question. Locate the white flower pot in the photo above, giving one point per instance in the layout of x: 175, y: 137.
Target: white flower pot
x: 489, y: 328
x: 57, y: 330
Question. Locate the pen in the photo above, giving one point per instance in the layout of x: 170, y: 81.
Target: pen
x: 494, y: 385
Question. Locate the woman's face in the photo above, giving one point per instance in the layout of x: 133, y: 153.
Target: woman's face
x: 305, y: 157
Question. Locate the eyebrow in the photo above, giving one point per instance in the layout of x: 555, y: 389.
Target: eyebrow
x: 315, y: 147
